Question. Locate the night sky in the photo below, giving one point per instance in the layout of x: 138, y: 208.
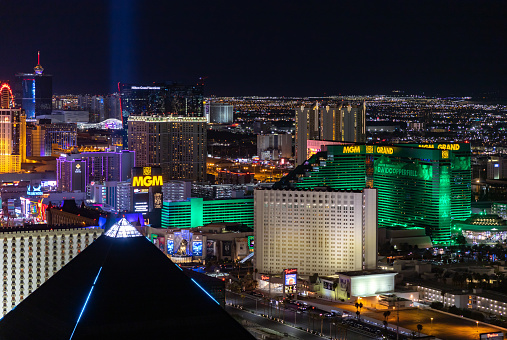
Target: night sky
x: 290, y: 48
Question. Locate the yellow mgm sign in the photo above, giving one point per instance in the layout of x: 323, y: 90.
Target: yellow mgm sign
x: 147, y: 180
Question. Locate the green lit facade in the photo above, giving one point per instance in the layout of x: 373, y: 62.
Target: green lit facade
x: 419, y: 185
x: 196, y: 212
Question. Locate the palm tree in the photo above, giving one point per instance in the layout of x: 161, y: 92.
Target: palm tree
x: 386, y: 316
x: 419, y: 329
x: 335, y: 285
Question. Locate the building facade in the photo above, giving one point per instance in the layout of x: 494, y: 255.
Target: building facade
x: 12, y: 133
x: 34, y: 92
x: 31, y: 256
x: 76, y: 171
x: 219, y: 113
x: 175, y: 191
x: 274, y: 146
x: 176, y: 144
x: 339, y: 122
x: 196, y: 212
x: 419, y: 185
x: 316, y: 231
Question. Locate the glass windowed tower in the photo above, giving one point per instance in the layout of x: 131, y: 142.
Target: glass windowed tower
x: 419, y: 185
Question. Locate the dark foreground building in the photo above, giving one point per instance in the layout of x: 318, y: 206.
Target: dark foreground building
x: 120, y: 287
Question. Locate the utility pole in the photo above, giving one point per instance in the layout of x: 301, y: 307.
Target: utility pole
x: 397, y: 320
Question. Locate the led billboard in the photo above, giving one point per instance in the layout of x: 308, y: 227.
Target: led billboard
x: 197, y: 248
x: 170, y: 247
x: 290, y: 279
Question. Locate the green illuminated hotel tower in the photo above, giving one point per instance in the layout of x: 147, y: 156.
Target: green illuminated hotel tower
x: 419, y: 185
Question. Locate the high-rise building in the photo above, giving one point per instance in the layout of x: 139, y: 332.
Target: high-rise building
x: 219, y: 113
x: 32, y: 255
x: 76, y: 171
x: 274, y: 146
x: 124, y: 196
x: 176, y: 144
x: 160, y: 99
x: 12, y: 133
x: 419, y: 185
x: 175, y: 191
x: 496, y: 167
x: 342, y: 122
x: 316, y: 231
x: 34, y: 92
x: 43, y: 136
x: 196, y: 212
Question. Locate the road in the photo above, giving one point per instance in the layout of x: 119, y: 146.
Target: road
x: 328, y: 326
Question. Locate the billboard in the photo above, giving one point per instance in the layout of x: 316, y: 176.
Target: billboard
x: 210, y: 248
x: 226, y: 248
x: 147, y: 185
x: 197, y: 248
x: 170, y: 247
x: 290, y: 279
x: 250, y: 242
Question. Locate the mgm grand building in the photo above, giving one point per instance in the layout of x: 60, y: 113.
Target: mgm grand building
x: 419, y: 185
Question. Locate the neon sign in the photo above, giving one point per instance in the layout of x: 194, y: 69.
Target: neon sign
x: 147, y: 181
x: 145, y: 87
x: 352, y: 149
x: 34, y: 191
x: 454, y: 147
x: 290, y: 271
x: 385, y: 150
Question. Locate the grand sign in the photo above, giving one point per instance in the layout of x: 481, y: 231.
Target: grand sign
x: 454, y: 147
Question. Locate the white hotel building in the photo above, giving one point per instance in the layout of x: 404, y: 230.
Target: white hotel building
x: 316, y: 231
x: 31, y: 256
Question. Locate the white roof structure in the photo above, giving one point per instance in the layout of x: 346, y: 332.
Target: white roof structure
x: 122, y: 228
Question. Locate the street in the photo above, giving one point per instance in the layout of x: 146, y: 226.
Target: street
x: 329, y: 327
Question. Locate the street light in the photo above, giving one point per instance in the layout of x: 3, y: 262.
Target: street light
x: 431, y: 329
x: 478, y: 329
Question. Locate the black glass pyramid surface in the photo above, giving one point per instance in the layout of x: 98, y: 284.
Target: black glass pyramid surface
x: 120, y: 288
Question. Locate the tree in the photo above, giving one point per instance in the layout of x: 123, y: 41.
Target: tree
x: 461, y: 240
x: 335, y: 285
x: 419, y: 329
x: 386, y: 315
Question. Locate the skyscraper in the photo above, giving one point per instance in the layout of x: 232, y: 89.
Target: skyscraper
x: 419, y: 185
x: 176, y: 144
x: 76, y: 171
x: 12, y: 133
x: 342, y: 122
x: 317, y: 231
x: 34, y: 92
x: 166, y: 98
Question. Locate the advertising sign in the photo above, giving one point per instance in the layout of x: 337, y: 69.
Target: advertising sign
x: 290, y: 279
x: 147, y: 185
x: 197, y: 248
x: 226, y: 248
x: 170, y: 247
x: 250, y: 242
x: 210, y: 248
x: 492, y: 336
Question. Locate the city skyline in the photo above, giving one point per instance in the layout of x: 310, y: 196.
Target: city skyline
x: 435, y: 48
